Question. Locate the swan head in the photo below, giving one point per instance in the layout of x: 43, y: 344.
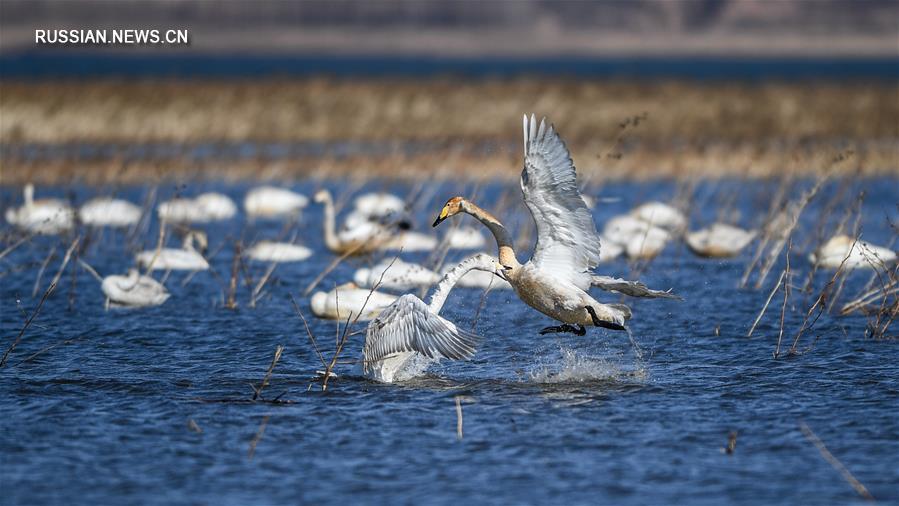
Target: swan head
x: 322, y: 196
x: 197, y: 239
x: 452, y: 207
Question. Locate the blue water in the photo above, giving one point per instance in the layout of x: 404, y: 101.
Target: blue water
x: 72, y: 63
x: 101, y: 414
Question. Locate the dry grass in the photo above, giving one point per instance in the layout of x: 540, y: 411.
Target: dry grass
x: 444, y: 127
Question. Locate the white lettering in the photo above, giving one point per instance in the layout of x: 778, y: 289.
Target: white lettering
x: 40, y: 36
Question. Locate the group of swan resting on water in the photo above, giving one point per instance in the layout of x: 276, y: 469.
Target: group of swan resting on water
x: 403, y: 330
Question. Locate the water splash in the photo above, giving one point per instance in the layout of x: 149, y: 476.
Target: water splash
x: 577, y: 367
x: 414, y: 367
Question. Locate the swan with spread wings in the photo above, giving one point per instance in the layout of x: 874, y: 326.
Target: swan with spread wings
x: 557, y: 279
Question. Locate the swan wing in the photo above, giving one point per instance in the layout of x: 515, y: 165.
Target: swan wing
x: 567, y: 241
x: 408, y: 325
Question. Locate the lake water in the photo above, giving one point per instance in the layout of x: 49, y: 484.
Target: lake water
x: 153, y: 405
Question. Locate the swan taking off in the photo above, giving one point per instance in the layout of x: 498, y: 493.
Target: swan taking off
x: 555, y: 281
x: 108, y: 212
x: 44, y: 216
x: 203, y: 208
x: 347, y: 300
x: 409, y: 327
x: 396, y: 275
x: 185, y: 259
x: 857, y: 254
x: 134, y: 290
x: 273, y: 202
x: 269, y: 251
x: 719, y: 240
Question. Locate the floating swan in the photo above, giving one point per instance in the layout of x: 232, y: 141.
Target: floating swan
x: 203, y: 208
x: 465, y: 238
x: 395, y: 274
x: 109, y: 212
x: 44, y: 216
x: 134, y: 290
x: 637, y: 238
x: 409, y: 328
x: 347, y: 300
x: 660, y: 215
x: 368, y: 236
x: 555, y: 281
x: 720, y: 240
x: 185, y: 259
x: 272, y: 202
x: 856, y: 253
x: 269, y: 251
x: 381, y: 208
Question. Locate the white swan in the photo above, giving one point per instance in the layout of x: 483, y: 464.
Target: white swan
x: 719, y: 240
x: 395, y: 274
x: 857, y: 254
x: 347, y: 300
x: 381, y: 208
x: 134, y: 290
x: 109, y: 212
x: 270, y: 251
x: 555, y: 281
x: 44, y: 216
x: 477, y: 278
x: 637, y: 238
x: 203, y: 208
x: 273, y: 202
x: 660, y: 215
x: 465, y: 238
x: 187, y: 258
x: 410, y: 328
x: 368, y: 236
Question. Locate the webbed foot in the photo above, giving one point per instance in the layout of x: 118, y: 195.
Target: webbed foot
x: 565, y: 328
x: 601, y: 323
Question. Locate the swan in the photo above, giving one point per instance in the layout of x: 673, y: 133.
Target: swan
x: 477, y: 278
x: 273, y: 202
x: 660, y: 215
x: 465, y: 238
x: 347, y: 300
x: 134, y: 290
x: 368, y: 236
x: 395, y: 274
x: 409, y: 328
x: 187, y: 258
x: 270, y: 251
x: 44, y: 216
x: 635, y: 237
x: 555, y: 281
x: 109, y: 212
x: 720, y: 240
x: 203, y: 208
x: 856, y: 253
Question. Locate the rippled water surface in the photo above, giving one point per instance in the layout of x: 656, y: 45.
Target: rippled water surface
x: 154, y: 405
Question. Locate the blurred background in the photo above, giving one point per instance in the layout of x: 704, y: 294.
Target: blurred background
x: 398, y: 88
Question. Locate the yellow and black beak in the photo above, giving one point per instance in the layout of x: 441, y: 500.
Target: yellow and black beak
x: 443, y: 215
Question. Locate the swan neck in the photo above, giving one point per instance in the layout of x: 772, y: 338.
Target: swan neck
x: 329, y: 224
x: 445, y: 286
x: 28, y: 194
x: 506, y: 252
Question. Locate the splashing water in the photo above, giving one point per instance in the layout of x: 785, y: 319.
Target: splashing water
x: 576, y: 367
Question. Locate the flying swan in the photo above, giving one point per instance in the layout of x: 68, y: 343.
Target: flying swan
x: 409, y: 328
x: 555, y: 281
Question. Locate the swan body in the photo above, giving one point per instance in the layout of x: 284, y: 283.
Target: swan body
x: 660, y: 215
x: 409, y: 242
x: 44, y: 216
x: 273, y: 202
x: 556, y: 279
x: 720, y: 240
x: 395, y: 275
x: 857, y: 254
x: 108, y: 212
x: 636, y: 237
x: 269, y: 251
x: 380, y: 208
x: 348, y: 300
x: 465, y: 238
x: 409, y: 329
x: 134, y: 290
x: 185, y: 259
x: 203, y: 208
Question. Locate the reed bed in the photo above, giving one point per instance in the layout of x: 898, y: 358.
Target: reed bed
x: 434, y: 128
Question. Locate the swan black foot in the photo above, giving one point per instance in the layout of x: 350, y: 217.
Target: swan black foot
x: 601, y: 323
x: 565, y: 328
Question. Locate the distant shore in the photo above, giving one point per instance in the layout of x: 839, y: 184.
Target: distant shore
x: 113, y: 130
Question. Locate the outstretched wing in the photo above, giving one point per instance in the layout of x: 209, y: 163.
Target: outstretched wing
x: 567, y: 241
x: 408, y: 325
